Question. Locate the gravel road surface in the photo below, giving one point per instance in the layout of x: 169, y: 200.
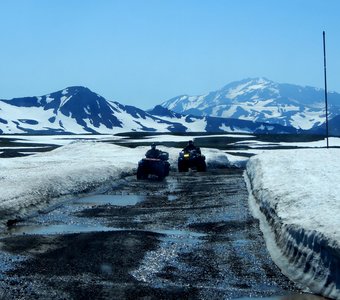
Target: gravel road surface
x: 190, y: 236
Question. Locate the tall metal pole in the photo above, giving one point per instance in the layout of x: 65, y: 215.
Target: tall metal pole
x: 325, y: 74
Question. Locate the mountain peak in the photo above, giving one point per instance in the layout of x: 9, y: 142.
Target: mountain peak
x: 71, y: 97
x: 252, y: 83
x: 71, y: 90
x: 261, y: 100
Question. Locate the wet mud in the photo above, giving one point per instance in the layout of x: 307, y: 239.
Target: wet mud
x: 190, y: 236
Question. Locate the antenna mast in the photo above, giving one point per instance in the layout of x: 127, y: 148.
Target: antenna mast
x: 324, y: 67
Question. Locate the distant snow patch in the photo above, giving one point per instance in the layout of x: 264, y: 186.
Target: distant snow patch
x: 49, y: 99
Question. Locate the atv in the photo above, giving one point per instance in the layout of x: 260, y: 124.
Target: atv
x: 192, y: 159
x: 159, y: 167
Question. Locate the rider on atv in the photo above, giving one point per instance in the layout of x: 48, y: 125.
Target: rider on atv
x: 153, y: 152
x: 191, y: 158
x: 156, y: 163
x: 191, y: 146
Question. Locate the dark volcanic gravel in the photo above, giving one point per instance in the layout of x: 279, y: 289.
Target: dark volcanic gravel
x: 188, y: 237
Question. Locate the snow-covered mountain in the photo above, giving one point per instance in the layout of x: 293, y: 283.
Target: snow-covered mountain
x: 74, y: 110
x: 261, y: 100
x: 215, y: 124
x: 79, y: 110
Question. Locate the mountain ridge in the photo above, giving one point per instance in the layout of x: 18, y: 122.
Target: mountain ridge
x: 78, y: 110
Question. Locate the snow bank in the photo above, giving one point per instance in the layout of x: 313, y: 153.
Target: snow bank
x: 31, y: 182
x: 298, y: 193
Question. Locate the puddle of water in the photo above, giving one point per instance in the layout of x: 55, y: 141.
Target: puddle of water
x: 172, y: 197
x: 177, y: 232
x: 58, y: 229
x: 82, y: 228
x: 302, y: 296
x: 119, y: 200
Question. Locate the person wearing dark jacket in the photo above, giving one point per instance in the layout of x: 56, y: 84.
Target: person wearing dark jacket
x: 153, y: 152
x: 190, y: 147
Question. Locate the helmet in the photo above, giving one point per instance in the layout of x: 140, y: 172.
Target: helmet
x: 190, y: 142
x: 153, y: 146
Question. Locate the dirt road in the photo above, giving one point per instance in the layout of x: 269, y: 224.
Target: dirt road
x: 188, y: 237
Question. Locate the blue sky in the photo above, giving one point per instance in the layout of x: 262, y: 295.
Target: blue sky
x: 143, y: 52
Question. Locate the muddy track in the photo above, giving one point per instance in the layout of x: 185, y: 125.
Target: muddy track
x: 188, y: 237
